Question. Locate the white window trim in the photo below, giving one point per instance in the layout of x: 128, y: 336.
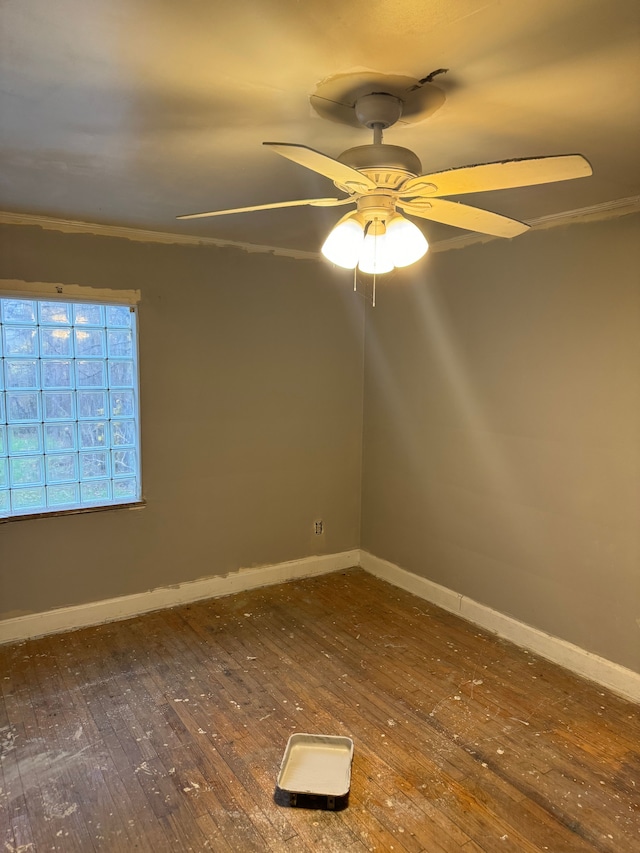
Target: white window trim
x: 16, y: 289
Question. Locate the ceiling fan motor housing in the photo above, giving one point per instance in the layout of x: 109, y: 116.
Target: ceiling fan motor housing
x: 376, y: 207
x: 388, y: 165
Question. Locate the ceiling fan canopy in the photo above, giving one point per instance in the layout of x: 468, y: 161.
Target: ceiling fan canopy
x: 382, y: 179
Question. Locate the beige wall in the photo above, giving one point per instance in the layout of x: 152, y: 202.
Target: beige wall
x: 251, y: 404
x: 502, y: 430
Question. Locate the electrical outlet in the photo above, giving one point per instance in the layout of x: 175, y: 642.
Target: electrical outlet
x: 319, y: 527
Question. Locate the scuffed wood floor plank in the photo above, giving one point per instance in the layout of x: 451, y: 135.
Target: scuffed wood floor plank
x: 165, y: 732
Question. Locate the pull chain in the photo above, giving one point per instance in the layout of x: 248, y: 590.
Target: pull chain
x: 375, y: 246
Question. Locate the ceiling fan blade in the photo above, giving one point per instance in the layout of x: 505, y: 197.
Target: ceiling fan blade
x: 465, y: 216
x: 322, y: 164
x: 507, y: 174
x: 314, y: 202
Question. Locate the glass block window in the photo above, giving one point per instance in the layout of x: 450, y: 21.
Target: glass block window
x: 69, y: 428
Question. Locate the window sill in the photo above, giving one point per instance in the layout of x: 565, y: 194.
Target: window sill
x: 141, y: 504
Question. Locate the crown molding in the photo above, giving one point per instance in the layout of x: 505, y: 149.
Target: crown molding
x: 605, y: 210
x: 141, y: 235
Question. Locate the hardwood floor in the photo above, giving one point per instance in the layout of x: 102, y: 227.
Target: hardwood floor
x: 165, y: 732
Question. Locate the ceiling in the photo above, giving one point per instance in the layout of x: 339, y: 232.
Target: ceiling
x: 129, y: 112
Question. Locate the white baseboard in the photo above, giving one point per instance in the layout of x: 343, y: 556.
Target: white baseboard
x: 611, y: 675
x: 126, y: 606
x: 617, y: 678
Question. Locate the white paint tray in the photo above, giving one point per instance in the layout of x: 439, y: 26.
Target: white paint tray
x: 315, y: 771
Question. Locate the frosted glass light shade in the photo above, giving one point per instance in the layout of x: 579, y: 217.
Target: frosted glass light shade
x: 343, y: 245
x: 406, y: 242
x: 376, y: 249
x: 374, y: 255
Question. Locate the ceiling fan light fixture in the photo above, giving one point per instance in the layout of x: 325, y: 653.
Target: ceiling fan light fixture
x: 406, y: 242
x: 344, y: 243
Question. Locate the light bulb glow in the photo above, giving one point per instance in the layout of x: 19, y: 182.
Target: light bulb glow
x: 406, y: 242
x: 344, y: 244
x: 375, y: 256
x: 374, y: 245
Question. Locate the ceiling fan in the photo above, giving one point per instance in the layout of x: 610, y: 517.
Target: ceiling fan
x: 381, y: 179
